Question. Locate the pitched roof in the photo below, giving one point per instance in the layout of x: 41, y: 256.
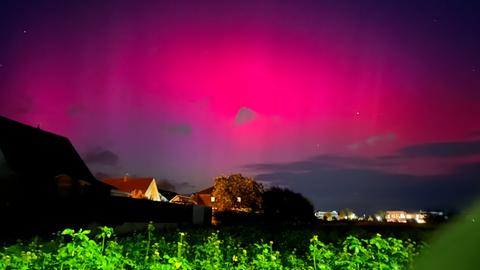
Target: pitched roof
x: 167, y: 194
x: 128, y: 184
x: 181, y: 199
x: 38, y: 154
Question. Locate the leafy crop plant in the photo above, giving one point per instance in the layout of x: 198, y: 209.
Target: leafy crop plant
x: 158, y: 250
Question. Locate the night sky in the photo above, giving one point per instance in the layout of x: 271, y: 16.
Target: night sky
x: 361, y: 104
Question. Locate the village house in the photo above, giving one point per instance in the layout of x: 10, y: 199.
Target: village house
x: 404, y: 217
x: 327, y: 215
x: 396, y: 216
x: 205, y: 197
x: 138, y: 188
x: 182, y: 199
x: 416, y: 217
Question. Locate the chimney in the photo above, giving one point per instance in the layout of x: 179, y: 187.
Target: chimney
x: 125, y: 177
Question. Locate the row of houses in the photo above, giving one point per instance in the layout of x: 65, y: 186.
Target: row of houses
x: 392, y: 216
x: 404, y: 217
x: 146, y: 188
x: 334, y: 215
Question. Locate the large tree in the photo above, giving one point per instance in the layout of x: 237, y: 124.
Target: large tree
x: 286, y: 205
x: 237, y: 192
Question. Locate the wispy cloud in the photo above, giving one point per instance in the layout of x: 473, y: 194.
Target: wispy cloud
x: 373, y: 140
x: 245, y: 115
x: 325, y: 162
x: 476, y: 133
x: 181, y: 187
x: 102, y: 157
x: 381, y: 138
x: 184, y: 187
x: 20, y: 103
x: 184, y: 129
x: 75, y: 110
x: 442, y: 149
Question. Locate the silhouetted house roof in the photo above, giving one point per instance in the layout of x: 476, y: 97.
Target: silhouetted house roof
x: 137, y: 187
x: 45, y: 162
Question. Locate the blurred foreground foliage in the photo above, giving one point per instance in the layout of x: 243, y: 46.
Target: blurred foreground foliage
x: 456, y: 245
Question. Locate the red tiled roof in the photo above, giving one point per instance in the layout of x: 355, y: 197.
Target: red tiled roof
x: 130, y: 184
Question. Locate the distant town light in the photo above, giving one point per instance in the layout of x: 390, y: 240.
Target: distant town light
x: 212, y: 199
x: 239, y: 199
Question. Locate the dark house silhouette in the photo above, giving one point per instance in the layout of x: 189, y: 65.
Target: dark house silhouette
x: 45, y: 164
x: 42, y: 178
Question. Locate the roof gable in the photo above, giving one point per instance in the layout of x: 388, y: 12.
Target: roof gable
x: 128, y: 184
x: 167, y: 194
x: 34, y: 152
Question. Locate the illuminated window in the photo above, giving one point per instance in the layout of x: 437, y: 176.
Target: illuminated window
x: 239, y: 199
x: 212, y: 199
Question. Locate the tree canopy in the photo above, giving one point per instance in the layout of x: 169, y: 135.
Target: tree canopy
x: 237, y: 192
x: 284, y: 204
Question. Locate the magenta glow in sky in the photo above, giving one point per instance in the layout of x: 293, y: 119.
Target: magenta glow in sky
x: 312, y: 95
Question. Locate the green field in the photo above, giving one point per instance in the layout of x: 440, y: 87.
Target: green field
x: 322, y: 247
